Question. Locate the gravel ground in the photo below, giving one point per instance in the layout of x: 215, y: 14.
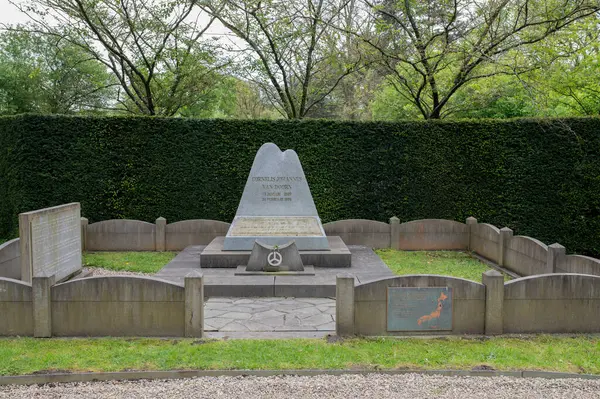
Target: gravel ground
x: 408, y: 386
x: 98, y: 271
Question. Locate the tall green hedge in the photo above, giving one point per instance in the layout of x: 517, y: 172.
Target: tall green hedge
x: 539, y: 177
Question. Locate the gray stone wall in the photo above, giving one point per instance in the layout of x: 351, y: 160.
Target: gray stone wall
x: 484, y: 240
x: 578, y: 264
x: 16, y: 308
x: 521, y: 254
x: 180, y: 235
x: 120, y: 235
x: 432, y: 234
x: 552, y: 303
x: 118, y: 306
x: 10, y: 259
x: 526, y: 256
x: 360, y: 232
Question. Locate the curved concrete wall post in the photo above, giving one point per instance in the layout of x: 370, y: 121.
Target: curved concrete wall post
x: 344, y: 304
x: 505, y: 235
x: 42, y: 306
x: 470, y: 222
x: 194, y: 305
x: 555, y: 254
x: 494, y: 301
x: 394, y: 233
x: 161, y: 225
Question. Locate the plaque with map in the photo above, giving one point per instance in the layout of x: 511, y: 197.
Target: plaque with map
x: 419, y: 309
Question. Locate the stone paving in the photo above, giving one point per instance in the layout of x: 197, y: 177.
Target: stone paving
x: 269, y: 314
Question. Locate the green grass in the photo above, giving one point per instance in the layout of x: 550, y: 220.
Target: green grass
x: 447, y: 263
x: 28, y: 355
x: 143, y: 262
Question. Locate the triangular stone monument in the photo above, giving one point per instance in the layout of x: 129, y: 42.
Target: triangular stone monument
x: 276, y: 206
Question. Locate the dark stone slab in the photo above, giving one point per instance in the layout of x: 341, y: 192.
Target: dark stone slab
x: 214, y: 256
x: 308, y: 271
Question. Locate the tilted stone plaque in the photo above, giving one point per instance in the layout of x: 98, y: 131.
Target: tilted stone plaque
x: 419, y: 309
x: 276, y: 206
x: 50, y: 242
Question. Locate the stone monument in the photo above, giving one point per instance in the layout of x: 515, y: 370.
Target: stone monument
x: 276, y: 209
x: 276, y: 206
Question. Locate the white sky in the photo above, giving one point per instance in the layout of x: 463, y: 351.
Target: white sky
x: 10, y: 15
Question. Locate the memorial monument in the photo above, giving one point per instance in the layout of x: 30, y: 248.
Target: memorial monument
x: 275, y: 210
x: 276, y: 206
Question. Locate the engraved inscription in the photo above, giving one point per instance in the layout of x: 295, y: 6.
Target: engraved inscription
x: 56, y: 243
x: 275, y: 227
x: 276, y: 188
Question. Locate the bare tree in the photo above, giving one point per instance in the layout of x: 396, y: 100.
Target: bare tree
x: 293, y: 52
x: 153, y: 47
x: 432, y: 48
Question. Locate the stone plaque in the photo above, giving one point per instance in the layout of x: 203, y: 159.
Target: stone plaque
x: 50, y: 242
x: 419, y: 309
x: 289, y: 226
x: 276, y: 206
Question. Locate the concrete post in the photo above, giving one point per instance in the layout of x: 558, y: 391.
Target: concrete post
x: 344, y: 305
x: 394, y: 232
x: 555, y: 255
x: 470, y: 222
x: 494, y: 302
x: 161, y: 225
x: 505, y: 236
x: 194, y: 305
x: 84, y: 226
x: 42, y: 306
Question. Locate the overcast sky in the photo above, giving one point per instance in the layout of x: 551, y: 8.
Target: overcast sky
x: 9, y: 14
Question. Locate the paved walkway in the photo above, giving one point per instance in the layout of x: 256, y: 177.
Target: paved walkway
x: 269, y: 315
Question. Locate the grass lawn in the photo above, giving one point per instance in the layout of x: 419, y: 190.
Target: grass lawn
x: 28, y: 355
x: 448, y: 263
x: 143, y: 262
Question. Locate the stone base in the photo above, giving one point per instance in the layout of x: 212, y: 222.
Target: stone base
x: 214, y: 256
x: 308, y: 271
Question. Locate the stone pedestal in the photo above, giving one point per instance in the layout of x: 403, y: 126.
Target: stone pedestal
x: 215, y: 256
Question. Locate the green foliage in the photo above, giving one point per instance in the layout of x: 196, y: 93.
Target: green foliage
x: 445, y: 263
x: 539, y: 177
x: 550, y: 353
x: 47, y: 75
x: 142, y: 262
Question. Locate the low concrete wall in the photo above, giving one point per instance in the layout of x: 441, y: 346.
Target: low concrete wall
x: 484, y: 240
x: 552, y: 303
x: 120, y: 235
x: 118, y: 306
x: 180, y: 235
x: 360, y: 232
x: 10, y: 259
x: 432, y: 234
x: 16, y: 308
x: 370, y: 303
x: 525, y: 256
x: 578, y: 264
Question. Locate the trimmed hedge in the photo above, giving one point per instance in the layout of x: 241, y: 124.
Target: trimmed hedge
x: 539, y: 177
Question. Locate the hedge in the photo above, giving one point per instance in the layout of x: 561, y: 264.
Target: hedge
x: 540, y: 177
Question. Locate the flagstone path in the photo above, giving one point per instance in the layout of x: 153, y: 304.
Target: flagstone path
x: 275, y: 314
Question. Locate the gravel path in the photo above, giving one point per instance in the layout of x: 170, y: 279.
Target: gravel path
x: 410, y: 386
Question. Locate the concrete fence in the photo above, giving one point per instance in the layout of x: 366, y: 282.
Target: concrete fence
x: 135, y: 235
x: 523, y: 255
x: 102, y: 306
x: 10, y: 259
x: 548, y: 303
